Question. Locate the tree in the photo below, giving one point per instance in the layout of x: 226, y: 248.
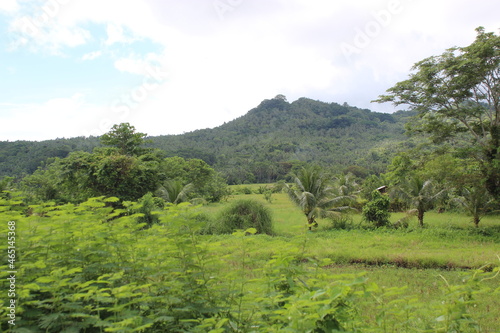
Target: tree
x: 123, y: 176
x: 5, y: 184
x: 476, y: 201
x: 456, y: 94
x: 206, y: 182
x: 419, y: 194
x: 124, y: 138
x: 83, y: 175
x: 314, y: 195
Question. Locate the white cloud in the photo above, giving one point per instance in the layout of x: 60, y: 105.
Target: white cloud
x: 52, y: 38
x: 9, y: 6
x: 135, y: 64
x: 55, y: 118
x: 117, y: 35
x: 92, y: 55
x: 218, y: 69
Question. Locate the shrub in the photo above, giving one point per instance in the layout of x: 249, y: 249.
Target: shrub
x: 341, y: 221
x: 242, y: 215
x: 268, y: 195
x: 149, y: 207
x: 376, y: 211
x: 246, y: 190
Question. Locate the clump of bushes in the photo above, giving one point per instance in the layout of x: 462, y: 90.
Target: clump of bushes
x: 242, y: 215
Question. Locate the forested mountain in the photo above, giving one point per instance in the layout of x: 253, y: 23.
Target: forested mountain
x: 264, y: 144
x: 261, y: 146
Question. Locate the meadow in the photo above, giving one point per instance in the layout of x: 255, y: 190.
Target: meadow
x: 93, y: 268
x: 421, y: 261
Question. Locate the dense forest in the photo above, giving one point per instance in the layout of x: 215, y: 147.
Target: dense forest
x: 261, y: 146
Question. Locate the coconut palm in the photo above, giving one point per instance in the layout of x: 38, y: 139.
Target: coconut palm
x: 476, y: 201
x: 175, y: 191
x: 314, y: 195
x: 419, y: 194
x: 346, y: 185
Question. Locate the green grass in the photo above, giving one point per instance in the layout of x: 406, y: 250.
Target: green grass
x: 417, y: 259
x: 448, y: 240
x: 425, y: 285
x: 420, y: 270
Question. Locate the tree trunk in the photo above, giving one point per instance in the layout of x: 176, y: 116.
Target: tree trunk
x: 311, y: 222
x: 491, y: 170
x: 476, y: 220
x: 421, y: 217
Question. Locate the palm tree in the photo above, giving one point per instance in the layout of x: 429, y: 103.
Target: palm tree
x: 419, y: 194
x: 347, y: 186
x: 314, y: 195
x: 476, y: 201
x: 175, y: 191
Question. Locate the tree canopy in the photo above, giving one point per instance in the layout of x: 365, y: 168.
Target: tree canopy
x: 124, y: 138
x: 457, y: 95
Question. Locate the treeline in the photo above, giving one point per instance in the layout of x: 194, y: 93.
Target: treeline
x: 122, y: 168
x: 21, y: 158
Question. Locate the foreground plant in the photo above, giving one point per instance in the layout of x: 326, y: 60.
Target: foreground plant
x: 95, y: 268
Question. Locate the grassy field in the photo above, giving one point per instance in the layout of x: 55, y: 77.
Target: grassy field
x: 420, y: 260
x: 81, y: 266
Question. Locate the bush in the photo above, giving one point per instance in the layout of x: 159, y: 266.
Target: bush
x: 242, y: 215
x: 376, y: 211
x: 149, y: 207
x: 341, y: 221
x: 246, y: 190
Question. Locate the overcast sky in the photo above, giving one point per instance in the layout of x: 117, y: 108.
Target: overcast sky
x: 75, y: 67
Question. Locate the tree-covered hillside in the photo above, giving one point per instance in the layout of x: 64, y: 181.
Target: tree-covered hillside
x: 269, y: 140
x: 261, y: 146
x: 20, y: 158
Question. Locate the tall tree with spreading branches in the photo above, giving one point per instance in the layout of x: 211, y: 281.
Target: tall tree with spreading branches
x: 455, y: 94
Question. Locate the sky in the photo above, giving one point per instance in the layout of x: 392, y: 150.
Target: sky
x: 71, y: 68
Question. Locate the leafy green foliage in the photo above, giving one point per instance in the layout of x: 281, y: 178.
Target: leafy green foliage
x: 94, y: 268
x: 376, y: 210
x: 174, y: 191
x: 83, y: 175
x: 476, y: 201
x: 21, y: 158
x: 313, y: 193
x: 148, y: 209
x: 125, y: 139
x: 192, y: 178
x: 419, y: 194
x: 456, y: 95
